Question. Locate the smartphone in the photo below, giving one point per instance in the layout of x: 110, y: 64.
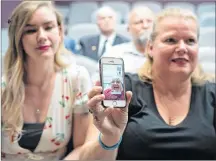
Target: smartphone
x: 112, y: 81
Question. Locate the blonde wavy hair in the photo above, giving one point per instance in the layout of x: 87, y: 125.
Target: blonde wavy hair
x: 145, y: 72
x: 13, y: 93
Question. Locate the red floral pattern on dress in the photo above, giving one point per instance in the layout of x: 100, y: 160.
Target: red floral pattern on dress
x: 57, y: 136
x: 79, y: 94
x: 67, y: 98
x: 60, y: 137
x: 67, y: 116
x: 48, y: 123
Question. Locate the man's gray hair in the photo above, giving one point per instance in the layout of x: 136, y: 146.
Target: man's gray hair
x: 104, y: 9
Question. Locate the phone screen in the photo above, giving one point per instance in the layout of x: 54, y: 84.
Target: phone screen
x: 113, y: 85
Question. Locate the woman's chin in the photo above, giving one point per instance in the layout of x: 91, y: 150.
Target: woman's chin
x: 180, y: 74
x: 181, y: 70
x: 47, y: 54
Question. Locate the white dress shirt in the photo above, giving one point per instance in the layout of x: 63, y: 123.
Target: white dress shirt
x: 133, y: 59
x: 110, y: 41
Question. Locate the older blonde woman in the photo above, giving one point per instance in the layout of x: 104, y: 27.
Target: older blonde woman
x: 44, y: 92
x: 172, y: 111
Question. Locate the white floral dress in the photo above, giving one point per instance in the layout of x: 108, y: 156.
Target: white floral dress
x: 70, y: 95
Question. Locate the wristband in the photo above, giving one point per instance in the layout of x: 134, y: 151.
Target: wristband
x: 113, y: 147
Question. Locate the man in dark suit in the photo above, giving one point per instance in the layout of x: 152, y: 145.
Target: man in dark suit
x: 94, y: 46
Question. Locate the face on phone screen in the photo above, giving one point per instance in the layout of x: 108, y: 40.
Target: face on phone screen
x: 113, y: 84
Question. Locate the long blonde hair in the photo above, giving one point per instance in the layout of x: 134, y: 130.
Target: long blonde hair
x: 145, y: 72
x: 13, y: 93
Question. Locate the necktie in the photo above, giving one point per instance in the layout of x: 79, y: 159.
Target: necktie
x: 104, y: 48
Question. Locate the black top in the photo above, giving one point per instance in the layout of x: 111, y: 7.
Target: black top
x: 31, y: 135
x: 147, y: 136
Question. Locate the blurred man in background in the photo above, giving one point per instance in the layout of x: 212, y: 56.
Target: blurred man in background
x: 140, y: 24
x: 94, y: 46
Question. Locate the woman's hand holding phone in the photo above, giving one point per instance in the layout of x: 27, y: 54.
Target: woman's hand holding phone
x: 111, y: 122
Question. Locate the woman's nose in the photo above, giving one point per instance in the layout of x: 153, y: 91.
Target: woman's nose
x: 181, y: 47
x: 41, y: 35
